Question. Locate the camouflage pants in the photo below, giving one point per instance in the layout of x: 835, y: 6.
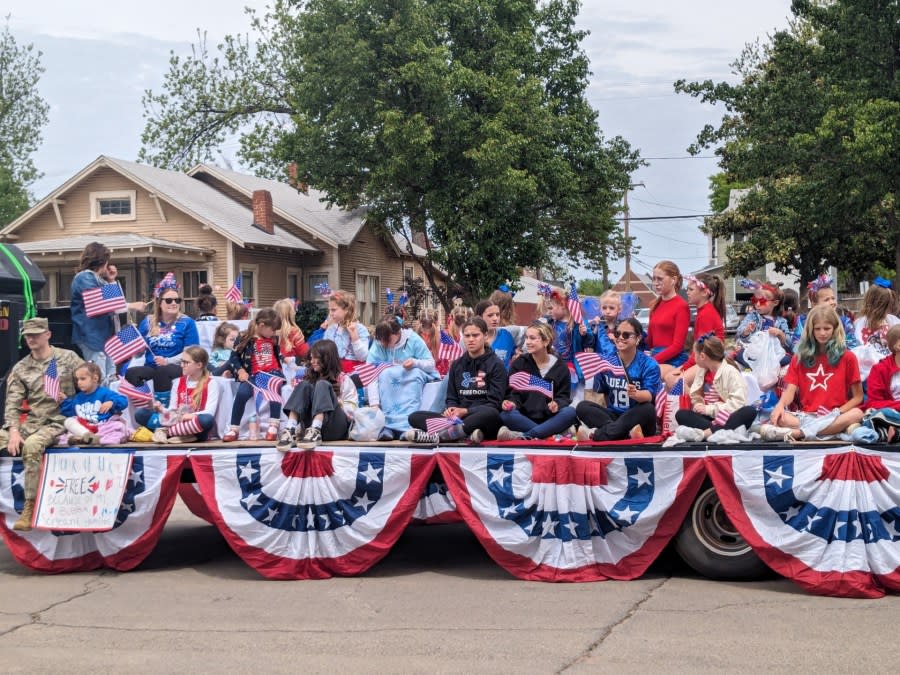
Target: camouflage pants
x: 32, y: 451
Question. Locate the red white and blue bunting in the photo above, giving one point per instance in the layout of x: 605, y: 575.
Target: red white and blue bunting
x: 551, y: 517
x: 312, y: 514
x: 146, y: 504
x: 830, y: 522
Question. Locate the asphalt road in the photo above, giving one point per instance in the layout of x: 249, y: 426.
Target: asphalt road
x: 437, y: 603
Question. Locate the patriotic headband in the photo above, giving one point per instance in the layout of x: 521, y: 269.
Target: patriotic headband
x: 751, y: 284
x: 699, y: 284
x: 545, y: 289
x: 324, y: 289
x: 884, y: 283
x: 167, y: 283
x: 820, y: 282
x: 703, y: 338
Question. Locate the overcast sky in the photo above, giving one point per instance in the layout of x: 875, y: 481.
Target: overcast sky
x: 101, y: 55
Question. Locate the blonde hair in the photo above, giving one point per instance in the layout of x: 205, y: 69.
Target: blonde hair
x: 198, y: 354
x: 458, y: 317
x: 612, y: 295
x: 284, y: 308
x: 545, y: 332
x: 157, y: 311
x: 346, y: 301
x: 429, y: 335
x: 557, y: 297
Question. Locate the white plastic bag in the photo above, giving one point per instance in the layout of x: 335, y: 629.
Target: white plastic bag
x: 868, y: 355
x: 367, y: 424
x: 763, y: 354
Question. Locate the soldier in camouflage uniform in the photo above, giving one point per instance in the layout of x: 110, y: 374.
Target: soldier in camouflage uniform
x: 43, y: 422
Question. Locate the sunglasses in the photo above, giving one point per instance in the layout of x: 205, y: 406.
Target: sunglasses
x: 170, y: 301
x: 625, y: 335
x: 762, y: 300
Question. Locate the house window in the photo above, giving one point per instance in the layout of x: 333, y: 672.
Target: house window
x: 113, y: 205
x: 190, y: 290
x: 294, y: 284
x: 368, y: 288
x: 714, y: 250
x: 312, y: 295
x: 248, y: 282
x: 64, y: 288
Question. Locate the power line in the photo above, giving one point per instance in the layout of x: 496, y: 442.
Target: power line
x: 667, y: 206
x: 662, y: 236
x: 684, y: 157
x: 690, y: 217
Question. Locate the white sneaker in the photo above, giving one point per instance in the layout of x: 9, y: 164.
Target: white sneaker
x: 770, y: 432
x: 585, y: 433
x: 689, y: 434
x: 419, y: 436
x: 476, y: 437
x: 160, y: 436
x: 507, y: 434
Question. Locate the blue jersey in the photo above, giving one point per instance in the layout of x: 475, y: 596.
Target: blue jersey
x: 504, y: 346
x: 642, y: 372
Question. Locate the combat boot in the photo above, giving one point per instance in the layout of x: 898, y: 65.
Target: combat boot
x: 23, y: 524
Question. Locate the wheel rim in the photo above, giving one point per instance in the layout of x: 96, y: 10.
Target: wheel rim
x: 713, y: 527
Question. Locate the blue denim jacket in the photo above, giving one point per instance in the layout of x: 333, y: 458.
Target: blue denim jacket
x: 90, y: 331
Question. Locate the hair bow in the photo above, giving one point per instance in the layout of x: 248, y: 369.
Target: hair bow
x: 884, y: 283
x: 820, y: 282
x: 504, y: 288
x: 703, y: 338
x: 324, y: 289
x: 545, y: 289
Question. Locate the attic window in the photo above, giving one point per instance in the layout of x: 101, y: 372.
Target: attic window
x: 113, y: 205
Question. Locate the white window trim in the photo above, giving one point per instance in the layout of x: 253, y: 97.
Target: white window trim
x: 95, y: 198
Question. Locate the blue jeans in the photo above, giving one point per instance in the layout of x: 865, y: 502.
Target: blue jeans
x: 557, y: 424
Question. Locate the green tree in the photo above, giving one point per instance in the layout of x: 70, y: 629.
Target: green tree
x: 591, y: 287
x: 814, y: 128
x: 23, y: 113
x: 465, y: 120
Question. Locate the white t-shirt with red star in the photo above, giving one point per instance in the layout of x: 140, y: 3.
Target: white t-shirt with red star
x: 824, y: 386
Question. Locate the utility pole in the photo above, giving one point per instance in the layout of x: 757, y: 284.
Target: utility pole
x: 627, y: 241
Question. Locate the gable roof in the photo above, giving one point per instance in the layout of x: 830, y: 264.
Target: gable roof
x: 193, y: 197
x: 308, y: 211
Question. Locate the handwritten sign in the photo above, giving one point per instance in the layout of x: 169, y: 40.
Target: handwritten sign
x: 81, y: 490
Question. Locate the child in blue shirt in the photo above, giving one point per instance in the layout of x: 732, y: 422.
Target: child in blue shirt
x: 90, y: 406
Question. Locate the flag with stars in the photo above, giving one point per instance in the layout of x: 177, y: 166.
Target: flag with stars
x: 268, y: 386
x: 51, y: 380
x: 592, y: 363
x: 565, y: 517
x: 123, y: 345
x: 138, y: 395
x: 234, y: 294
x: 449, y: 349
x: 827, y: 519
x: 312, y: 515
x: 106, y: 299
x: 369, y: 372
x: 150, y: 493
x: 574, y: 305
x: 522, y: 381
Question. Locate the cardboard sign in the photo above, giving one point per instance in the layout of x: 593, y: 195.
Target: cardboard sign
x: 81, y: 490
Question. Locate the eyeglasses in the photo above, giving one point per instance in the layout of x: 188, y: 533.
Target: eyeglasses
x: 170, y: 301
x: 762, y: 300
x: 625, y: 335
x: 186, y: 363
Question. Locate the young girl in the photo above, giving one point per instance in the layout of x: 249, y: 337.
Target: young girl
x: 826, y: 376
x: 222, y: 347
x: 876, y: 315
x: 322, y: 403
x: 530, y: 414
x: 476, y: 384
x: 503, y: 298
x: 765, y: 316
x: 568, y: 339
x: 293, y: 344
x: 670, y: 318
x: 629, y: 385
x: 718, y: 394
x: 91, y: 407
x: 707, y: 294
x: 457, y: 317
x: 501, y: 340
x: 167, y: 332
x: 610, y: 308
x: 884, y: 378
x: 430, y: 334
x: 348, y: 334
x: 206, y: 304
x: 257, y: 352
x: 820, y: 291
x: 191, y: 413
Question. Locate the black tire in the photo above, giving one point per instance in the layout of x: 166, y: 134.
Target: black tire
x: 710, y: 545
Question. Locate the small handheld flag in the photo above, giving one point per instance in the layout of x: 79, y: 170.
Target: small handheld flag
x: 124, y: 344
x: 573, y: 304
x: 51, y: 380
x: 369, y: 372
x: 449, y: 349
x: 104, y: 299
x: 269, y: 386
x: 234, y: 294
x: 140, y: 396
x: 522, y: 381
x: 592, y: 363
x: 435, y: 425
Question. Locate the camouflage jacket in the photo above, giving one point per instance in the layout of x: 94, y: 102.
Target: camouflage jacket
x: 26, y: 383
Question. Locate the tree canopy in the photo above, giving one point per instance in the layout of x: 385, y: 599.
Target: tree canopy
x: 463, y: 120
x: 23, y: 113
x: 813, y: 128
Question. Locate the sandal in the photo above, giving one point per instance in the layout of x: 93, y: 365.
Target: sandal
x: 231, y: 435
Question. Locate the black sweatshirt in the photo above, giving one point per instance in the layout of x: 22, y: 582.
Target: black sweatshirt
x: 476, y: 382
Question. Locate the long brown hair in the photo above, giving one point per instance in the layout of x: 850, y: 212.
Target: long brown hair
x: 198, y: 355
x: 157, y: 310
x: 715, y: 290
x: 669, y: 269
x: 327, y: 354
x: 265, y: 317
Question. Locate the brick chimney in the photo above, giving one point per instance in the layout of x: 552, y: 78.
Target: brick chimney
x: 263, y: 218
x: 294, y: 179
x: 419, y: 238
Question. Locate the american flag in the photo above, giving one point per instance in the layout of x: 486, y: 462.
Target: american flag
x: 522, y: 381
x: 662, y: 397
x: 140, y: 396
x: 435, y: 425
x: 124, y: 344
x: 51, y: 380
x: 592, y: 363
x: 234, y: 293
x: 105, y: 299
x: 269, y: 386
x: 573, y: 305
x: 369, y: 372
x: 449, y: 349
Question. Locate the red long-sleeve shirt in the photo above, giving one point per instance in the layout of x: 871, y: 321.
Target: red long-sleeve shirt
x: 707, y: 321
x: 879, y: 384
x: 668, y: 328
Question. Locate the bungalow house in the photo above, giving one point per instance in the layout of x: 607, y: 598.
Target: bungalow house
x: 210, y: 225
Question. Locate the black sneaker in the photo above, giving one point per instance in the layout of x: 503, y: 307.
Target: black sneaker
x: 285, y: 440
x: 310, y: 439
x: 419, y: 436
